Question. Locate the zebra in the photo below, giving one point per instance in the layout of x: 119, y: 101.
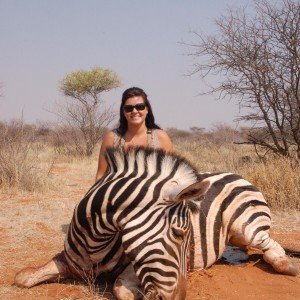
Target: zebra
x: 229, y: 212
x: 154, y: 211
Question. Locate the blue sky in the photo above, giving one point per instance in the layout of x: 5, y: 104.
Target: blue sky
x: 43, y: 40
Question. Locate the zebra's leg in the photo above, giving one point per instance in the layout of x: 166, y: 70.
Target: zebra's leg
x: 274, y: 254
x: 127, y: 286
x: 57, y: 268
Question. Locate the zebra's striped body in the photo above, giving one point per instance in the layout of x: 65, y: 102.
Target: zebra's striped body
x: 155, y: 211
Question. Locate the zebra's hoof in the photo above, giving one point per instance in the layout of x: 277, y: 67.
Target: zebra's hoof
x: 284, y: 266
x: 293, y: 269
x: 23, y: 278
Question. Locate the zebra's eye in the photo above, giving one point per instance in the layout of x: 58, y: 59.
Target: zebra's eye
x: 178, y: 233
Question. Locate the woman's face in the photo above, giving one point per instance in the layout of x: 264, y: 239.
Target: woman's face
x: 135, y: 110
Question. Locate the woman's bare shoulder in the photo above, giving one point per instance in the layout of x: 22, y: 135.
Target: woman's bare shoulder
x: 108, y: 141
x: 161, y: 132
x: 164, y: 140
x: 109, y: 134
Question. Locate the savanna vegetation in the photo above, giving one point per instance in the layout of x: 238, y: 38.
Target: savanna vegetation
x: 29, y: 153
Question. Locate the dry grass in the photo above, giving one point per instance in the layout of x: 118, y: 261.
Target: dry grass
x: 210, y: 157
x: 279, y: 181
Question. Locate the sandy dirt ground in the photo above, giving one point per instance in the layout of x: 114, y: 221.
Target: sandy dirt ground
x: 33, y: 228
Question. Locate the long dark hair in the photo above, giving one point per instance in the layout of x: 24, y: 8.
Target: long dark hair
x: 129, y: 93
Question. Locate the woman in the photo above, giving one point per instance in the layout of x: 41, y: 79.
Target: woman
x: 137, y: 128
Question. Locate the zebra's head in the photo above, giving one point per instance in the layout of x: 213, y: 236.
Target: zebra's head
x: 157, y: 227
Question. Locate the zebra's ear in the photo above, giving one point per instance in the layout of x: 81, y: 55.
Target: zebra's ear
x: 193, y: 191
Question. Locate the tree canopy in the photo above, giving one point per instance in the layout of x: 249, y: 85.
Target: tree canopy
x: 84, y: 84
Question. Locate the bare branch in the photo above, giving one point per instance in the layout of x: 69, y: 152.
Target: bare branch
x: 257, y: 53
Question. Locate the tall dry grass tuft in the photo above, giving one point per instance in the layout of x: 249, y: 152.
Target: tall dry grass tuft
x: 279, y: 181
x: 19, y: 159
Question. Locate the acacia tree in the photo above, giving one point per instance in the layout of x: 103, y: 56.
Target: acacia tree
x: 257, y: 52
x: 85, y: 111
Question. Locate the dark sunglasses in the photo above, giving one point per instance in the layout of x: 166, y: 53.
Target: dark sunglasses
x: 138, y: 107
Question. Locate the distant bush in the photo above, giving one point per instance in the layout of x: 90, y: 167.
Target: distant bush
x: 219, y: 134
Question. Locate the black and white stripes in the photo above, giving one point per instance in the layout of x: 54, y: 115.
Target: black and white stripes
x: 133, y: 210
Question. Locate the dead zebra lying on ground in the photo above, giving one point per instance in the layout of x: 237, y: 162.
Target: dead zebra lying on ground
x: 154, y: 211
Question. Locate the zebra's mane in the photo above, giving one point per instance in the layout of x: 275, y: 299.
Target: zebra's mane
x: 150, y: 160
